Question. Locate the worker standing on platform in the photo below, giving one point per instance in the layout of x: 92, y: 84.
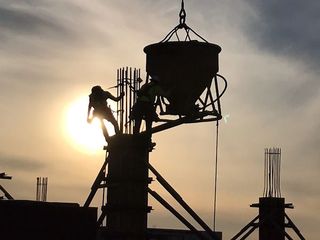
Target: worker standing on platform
x: 145, y: 107
x: 98, y: 101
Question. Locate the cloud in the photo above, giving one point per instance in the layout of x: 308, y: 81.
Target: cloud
x: 26, y: 29
x: 10, y: 162
x: 288, y: 27
x: 39, y: 28
x: 25, y: 22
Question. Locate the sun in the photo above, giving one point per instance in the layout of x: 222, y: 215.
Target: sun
x: 82, y: 135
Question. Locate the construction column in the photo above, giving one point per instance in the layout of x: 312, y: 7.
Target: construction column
x: 127, y: 181
x: 271, y: 218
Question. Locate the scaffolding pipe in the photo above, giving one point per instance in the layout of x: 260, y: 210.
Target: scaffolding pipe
x: 294, y: 227
x: 179, y: 199
x: 96, y: 183
x: 7, y: 195
x: 250, y: 224
x: 175, y: 213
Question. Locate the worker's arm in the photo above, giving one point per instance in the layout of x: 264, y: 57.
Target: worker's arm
x: 116, y: 99
x: 89, y: 111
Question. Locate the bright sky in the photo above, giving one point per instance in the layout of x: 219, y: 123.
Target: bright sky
x: 53, y: 52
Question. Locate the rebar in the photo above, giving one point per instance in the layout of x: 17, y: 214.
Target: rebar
x: 42, y: 189
x: 272, y: 163
x: 128, y: 82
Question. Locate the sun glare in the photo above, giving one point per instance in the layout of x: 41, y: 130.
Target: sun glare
x: 84, y: 136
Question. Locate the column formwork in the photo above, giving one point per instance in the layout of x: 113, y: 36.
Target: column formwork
x: 127, y: 181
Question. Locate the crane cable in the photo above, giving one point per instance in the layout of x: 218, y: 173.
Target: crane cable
x: 216, y: 157
x: 215, y: 177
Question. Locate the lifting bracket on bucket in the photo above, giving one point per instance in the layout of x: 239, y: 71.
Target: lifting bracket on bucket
x: 182, y: 25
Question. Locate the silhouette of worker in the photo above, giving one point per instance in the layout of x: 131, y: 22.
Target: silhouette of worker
x: 145, y: 108
x: 98, y: 101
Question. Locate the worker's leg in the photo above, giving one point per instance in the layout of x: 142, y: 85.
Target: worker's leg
x: 109, y: 117
x: 115, y: 124
x: 151, y: 116
x: 137, y: 124
x: 104, y: 131
x: 148, y: 127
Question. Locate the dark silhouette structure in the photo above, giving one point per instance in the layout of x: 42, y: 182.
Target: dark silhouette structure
x: 21, y: 219
x: 38, y: 220
x: 272, y: 219
x: 5, y: 176
x: 7, y: 195
x: 186, y: 71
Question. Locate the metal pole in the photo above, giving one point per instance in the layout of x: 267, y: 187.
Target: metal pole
x: 122, y: 100
x: 250, y: 224
x: 130, y: 100
x: 37, y: 191
x: 8, y: 196
x: 118, y: 94
x: 294, y: 227
x: 249, y: 232
x: 179, y: 199
x: 126, y: 96
x: 45, y: 189
x: 264, y: 176
x: 96, y: 183
x: 175, y: 213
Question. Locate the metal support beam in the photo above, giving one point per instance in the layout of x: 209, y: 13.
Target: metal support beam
x: 175, y: 213
x: 186, y: 119
x: 250, y: 224
x: 249, y: 232
x: 6, y: 194
x: 294, y: 227
x: 96, y: 184
x: 4, y: 176
x: 179, y: 199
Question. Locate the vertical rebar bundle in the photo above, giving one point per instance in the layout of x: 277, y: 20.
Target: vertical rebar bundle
x: 42, y: 189
x: 128, y: 81
x: 272, y: 220
x: 272, y: 162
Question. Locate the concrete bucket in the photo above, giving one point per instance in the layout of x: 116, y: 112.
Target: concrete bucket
x: 184, y: 70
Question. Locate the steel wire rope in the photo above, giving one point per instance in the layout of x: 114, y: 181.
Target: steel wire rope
x: 182, y: 24
x: 216, y: 157
x: 215, y: 176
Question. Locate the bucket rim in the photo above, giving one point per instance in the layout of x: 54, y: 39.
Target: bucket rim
x: 155, y: 46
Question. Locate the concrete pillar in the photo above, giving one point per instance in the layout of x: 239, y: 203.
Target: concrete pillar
x: 271, y: 218
x: 127, y: 181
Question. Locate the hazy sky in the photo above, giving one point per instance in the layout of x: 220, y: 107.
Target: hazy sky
x: 53, y: 52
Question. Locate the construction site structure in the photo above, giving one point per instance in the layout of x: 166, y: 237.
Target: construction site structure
x: 187, y: 70
x: 272, y: 219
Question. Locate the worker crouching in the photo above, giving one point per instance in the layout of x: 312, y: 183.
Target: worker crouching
x: 145, y: 107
